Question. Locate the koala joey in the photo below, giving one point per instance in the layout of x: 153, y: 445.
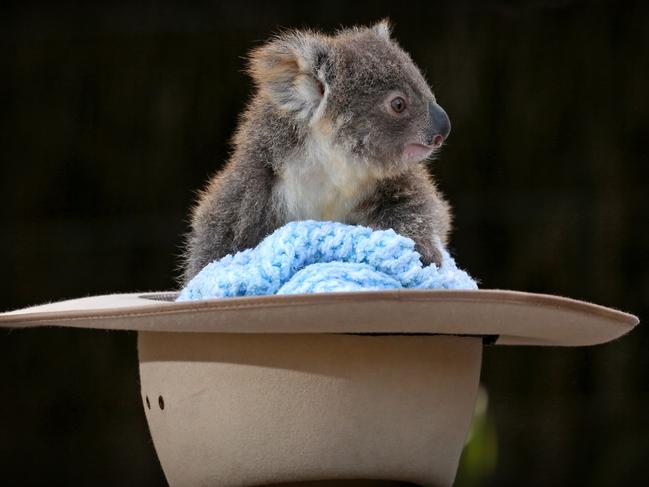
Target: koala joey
x: 336, y: 130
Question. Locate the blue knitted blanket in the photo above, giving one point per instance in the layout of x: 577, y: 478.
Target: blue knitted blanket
x: 315, y: 257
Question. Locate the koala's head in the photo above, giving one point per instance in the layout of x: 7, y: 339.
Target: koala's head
x: 359, y: 89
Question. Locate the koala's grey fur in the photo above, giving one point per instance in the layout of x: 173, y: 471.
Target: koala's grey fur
x: 318, y: 141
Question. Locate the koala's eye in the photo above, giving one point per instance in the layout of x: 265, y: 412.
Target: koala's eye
x: 398, y: 104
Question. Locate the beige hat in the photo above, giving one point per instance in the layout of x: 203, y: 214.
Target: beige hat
x: 373, y: 385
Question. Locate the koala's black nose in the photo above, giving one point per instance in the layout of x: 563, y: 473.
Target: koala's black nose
x: 440, y: 123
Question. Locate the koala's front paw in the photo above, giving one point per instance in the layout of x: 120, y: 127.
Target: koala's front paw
x: 430, y: 254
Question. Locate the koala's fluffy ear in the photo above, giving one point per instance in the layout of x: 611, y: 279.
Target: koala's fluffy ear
x: 383, y: 28
x: 291, y: 69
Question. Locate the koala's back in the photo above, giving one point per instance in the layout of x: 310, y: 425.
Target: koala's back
x: 232, y: 213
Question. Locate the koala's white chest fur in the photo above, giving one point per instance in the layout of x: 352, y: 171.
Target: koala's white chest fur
x: 322, y: 183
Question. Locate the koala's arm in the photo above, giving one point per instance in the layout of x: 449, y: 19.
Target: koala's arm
x: 411, y: 205
x: 233, y: 213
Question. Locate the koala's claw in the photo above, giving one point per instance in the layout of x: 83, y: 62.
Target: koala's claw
x: 430, y: 255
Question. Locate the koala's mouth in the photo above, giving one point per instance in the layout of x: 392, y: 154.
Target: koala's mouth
x: 419, y: 152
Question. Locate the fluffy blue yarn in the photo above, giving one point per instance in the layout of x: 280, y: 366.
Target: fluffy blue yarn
x: 314, y: 257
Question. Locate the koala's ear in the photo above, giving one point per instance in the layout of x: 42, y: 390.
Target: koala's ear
x: 383, y: 28
x: 292, y: 70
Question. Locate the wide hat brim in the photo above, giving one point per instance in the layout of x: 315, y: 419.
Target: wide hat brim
x: 502, y: 317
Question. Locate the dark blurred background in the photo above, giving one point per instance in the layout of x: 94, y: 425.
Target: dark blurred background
x: 114, y: 114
